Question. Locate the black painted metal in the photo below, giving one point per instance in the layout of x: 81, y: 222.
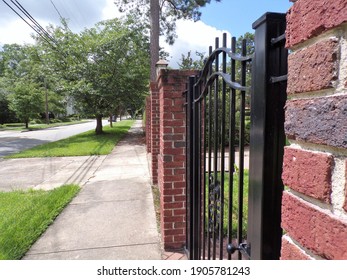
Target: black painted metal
x: 216, y: 114
x: 267, y: 137
x: 213, y: 96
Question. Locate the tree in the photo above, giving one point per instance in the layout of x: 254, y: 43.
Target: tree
x: 20, y: 82
x: 117, y: 69
x: 26, y: 101
x: 6, y: 114
x: 188, y: 63
x: 161, y: 16
x: 27, y: 63
x: 102, y: 67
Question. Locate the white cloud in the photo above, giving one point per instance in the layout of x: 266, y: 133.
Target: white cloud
x: 15, y: 31
x: 192, y: 36
x: 110, y: 10
x: 80, y: 14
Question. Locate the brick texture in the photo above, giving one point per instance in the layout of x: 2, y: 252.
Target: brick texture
x: 172, y: 157
x: 317, y: 230
x: 154, y: 131
x: 306, y: 19
x: 320, y: 120
x: 308, y: 173
x: 345, y: 205
x: 148, y: 124
x: 313, y: 68
x: 291, y: 251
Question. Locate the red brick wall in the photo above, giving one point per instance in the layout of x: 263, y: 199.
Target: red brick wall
x: 314, y: 205
x: 148, y: 124
x: 172, y: 156
x: 154, y: 131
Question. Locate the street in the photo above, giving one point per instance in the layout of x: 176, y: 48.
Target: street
x: 15, y: 141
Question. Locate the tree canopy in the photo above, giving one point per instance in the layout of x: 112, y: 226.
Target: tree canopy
x: 160, y: 16
x: 100, y: 69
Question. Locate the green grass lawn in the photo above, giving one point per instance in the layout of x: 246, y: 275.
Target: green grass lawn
x: 25, y: 215
x: 84, y: 144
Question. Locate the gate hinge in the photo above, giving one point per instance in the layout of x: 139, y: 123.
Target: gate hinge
x: 244, y: 248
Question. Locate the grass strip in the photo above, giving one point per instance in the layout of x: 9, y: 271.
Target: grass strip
x: 25, y: 215
x: 84, y: 144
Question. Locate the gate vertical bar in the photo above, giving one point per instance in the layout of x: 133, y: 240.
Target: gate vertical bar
x: 210, y: 143
x: 215, y: 152
x: 232, y: 113
x: 267, y: 139
x: 196, y: 188
x: 222, y: 168
x: 209, y: 236
x: 241, y: 151
x: 189, y: 168
x: 200, y: 168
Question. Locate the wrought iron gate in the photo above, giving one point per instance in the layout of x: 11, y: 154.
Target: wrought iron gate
x: 232, y: 88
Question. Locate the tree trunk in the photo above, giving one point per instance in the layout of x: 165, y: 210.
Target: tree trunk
x: 98, y: 129
x: 111, y: 121
x: 26, y: 124
x: 154, y: 37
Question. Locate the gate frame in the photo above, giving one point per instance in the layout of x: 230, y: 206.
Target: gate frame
x: 267, y: 140
x: 269, y: 84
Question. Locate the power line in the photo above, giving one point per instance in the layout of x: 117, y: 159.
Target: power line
x: 30, y: 20
x: 29, y: 16
x: 56, y: 9
x: 43, y: 37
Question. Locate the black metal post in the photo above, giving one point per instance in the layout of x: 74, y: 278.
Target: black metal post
x: 189, y: 173
x: 267, y: 138
x: 196, y: 194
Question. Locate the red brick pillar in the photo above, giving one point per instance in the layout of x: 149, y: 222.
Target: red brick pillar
x: 172, y: 156
x: 148, y: 123
x: 154, y: 131
x: 314, y: 208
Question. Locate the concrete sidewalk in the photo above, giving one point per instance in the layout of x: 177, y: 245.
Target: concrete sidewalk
x: 113, y: 217
x: 47, y: 173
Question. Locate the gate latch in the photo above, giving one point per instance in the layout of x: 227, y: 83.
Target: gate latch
x: 244, y: 248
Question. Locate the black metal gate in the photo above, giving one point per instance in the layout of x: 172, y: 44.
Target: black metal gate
x: 235, y: 108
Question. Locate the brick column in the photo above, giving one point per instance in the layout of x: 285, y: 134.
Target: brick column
x: 154, y: 131
x: 172, y: 156
x: 314, y: 205
x: 148, y: 124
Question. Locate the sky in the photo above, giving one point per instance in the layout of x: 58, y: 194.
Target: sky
x: 235, y: 17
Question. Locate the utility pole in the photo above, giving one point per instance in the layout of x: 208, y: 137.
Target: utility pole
x: 46, y: 103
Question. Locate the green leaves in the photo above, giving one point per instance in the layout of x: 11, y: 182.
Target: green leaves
x: 160, y: 16
x: 101, y: 70
x: 188, y: 63
x: 115, y: 66
x: 26, y: 101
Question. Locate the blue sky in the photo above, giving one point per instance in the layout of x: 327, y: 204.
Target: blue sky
x: 237, y: 16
